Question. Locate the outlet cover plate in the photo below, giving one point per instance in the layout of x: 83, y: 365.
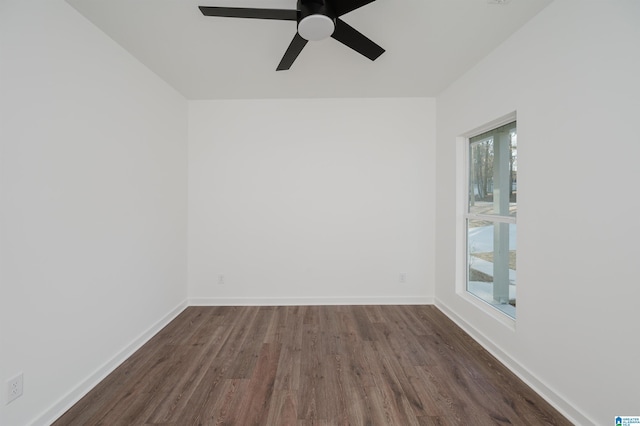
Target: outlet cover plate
x: 14, y: 388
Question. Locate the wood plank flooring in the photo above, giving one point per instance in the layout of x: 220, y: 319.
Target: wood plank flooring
x: 312, y: 365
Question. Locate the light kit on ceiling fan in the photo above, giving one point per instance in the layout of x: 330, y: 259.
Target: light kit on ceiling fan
x: 316, y: 19
x: 316, y: 27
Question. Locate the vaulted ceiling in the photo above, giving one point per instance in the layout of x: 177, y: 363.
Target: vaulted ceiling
x: 429, y: 44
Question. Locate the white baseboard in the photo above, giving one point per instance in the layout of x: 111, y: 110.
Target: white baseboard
x: 67, y: 401
x: 552, y: 397
x: 309, y: 301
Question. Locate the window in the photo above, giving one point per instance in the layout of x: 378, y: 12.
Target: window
x: 490, y: 217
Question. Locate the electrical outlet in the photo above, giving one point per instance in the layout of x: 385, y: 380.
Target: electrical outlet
x: 221, y: 279
x: 14, y: 388
x: 402, y: 278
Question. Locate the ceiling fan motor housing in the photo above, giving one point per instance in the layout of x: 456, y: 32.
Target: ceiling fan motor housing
x: 316, y: 19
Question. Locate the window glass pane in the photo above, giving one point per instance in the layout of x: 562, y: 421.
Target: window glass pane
x: 493, y: 167
x: 491, y: 213
x: 491, y: 260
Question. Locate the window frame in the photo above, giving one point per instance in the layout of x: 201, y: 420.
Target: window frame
x: 463, y: 215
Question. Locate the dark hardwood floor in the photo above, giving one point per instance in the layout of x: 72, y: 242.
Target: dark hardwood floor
x: 312, y: 365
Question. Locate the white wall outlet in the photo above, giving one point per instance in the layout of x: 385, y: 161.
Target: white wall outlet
x: 14, y: 388
x: 402, y: 278
x: 221, y: 279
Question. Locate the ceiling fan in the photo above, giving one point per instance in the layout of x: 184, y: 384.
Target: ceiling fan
x: 316, y: 19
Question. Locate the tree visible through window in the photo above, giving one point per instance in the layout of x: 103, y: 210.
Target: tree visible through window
x: 491, y: 217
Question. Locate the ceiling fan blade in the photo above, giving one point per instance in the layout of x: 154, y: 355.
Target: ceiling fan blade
x: 350, y: 37
x: 345, y: 6
x: 241, y: 12
x: 294, y: 49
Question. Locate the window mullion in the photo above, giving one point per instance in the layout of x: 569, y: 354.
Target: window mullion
x: 490, y: 217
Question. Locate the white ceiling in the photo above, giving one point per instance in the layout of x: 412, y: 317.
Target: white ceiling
x: 429, y: 44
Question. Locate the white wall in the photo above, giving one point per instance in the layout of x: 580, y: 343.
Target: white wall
x: 572, y: 75
x: 311, y: 201
x: 93, y: 203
